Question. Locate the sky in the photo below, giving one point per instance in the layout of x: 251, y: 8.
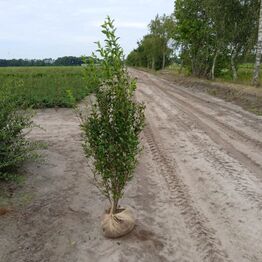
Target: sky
x: 55, y: 28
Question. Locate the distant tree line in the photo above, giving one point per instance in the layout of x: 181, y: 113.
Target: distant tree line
x: 61, y: 61
x: 204, y: 36
x: 154, y: 50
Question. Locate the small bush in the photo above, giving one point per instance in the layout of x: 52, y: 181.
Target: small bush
x: 116, y: 120
x: 14, y: 147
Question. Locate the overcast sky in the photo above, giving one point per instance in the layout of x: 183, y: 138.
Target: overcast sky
x: 53, y: 28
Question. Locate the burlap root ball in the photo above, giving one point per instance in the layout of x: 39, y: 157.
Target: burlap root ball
x: 118, y: 224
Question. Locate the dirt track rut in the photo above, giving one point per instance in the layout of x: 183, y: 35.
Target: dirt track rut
x: 210, y: 152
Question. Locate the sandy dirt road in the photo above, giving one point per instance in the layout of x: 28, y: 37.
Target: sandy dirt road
x: 197, y: 192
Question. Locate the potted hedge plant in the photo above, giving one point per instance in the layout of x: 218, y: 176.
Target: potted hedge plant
x: 111, y: 130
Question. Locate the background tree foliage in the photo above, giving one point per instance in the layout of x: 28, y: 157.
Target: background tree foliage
x: 208, y: 36
x: 60, y: 61
x: 153, y: 50
x: 258, y: 50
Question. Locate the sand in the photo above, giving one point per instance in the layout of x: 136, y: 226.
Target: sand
x: 197, y: 191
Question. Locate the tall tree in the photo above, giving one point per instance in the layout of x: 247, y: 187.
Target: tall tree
x: 148, y: 53
x: 241, y: 19
x: 195, y: 34
x: 258, y: 50
x: 152, y: 48
x: 163, y: 28
x: 208, y: 30
x: 215, y: 10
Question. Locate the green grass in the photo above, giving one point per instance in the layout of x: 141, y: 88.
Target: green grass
x: 41, y: 87
x: 245, y: 74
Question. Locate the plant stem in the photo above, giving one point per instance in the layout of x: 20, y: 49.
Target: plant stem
x: 114, y: 205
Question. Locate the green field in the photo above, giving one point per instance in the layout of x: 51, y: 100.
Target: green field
x: 41, y: 87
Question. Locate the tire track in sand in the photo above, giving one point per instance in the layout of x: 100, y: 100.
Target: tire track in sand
x: 237, y: 134
x: 221, y: 164
x: 179, y: 89
x: 207, y: 243
x: 192, y: 112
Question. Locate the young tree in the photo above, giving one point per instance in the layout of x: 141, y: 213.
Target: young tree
x: 112, y: 130
x: 258, y: 50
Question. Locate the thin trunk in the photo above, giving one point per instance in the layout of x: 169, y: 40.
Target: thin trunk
x: 164, y: 61
x: 206, y: 71
x: 153, y: 63
x: 259, y: 50
x: 114, y: 206
x: 181, y: 67
x: 214, y: 66
x: 182, y: 64
x: 193, y: 67
x: 207, y: 66
x: 257, y: 65
x: 233, y: 65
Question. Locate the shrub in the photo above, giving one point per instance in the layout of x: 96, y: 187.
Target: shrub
x: 14, y: 147
x: 113, y: 126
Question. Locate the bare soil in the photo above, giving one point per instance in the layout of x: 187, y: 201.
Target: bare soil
x: 246, y: 96
x: 197, y: 191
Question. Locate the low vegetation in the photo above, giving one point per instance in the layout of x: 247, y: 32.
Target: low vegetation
x: 15, y: 122
x: 23, y: 89
x: 61, y: 61
x: 245, y: 73
x: 41, y: 87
